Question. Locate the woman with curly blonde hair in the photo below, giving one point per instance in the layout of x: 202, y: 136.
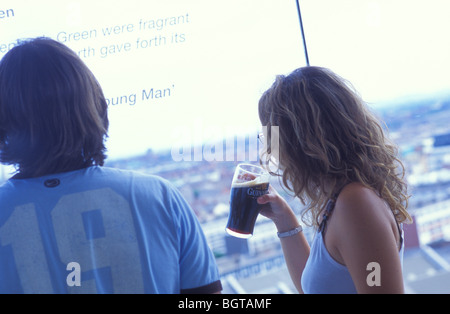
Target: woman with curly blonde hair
x: 334, y: 156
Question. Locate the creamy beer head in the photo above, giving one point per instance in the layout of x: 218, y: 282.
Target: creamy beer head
x: 249, y: 175
x: 249, y: 183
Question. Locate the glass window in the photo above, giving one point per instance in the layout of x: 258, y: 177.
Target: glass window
x: 183, y: 79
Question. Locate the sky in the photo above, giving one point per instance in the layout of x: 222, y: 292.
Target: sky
x: 388, y: 49
x: 180, y: 72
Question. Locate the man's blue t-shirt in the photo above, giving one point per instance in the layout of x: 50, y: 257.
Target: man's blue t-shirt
x: 101, y: 230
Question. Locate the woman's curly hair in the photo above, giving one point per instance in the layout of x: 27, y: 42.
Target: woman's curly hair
x: 328, y: 138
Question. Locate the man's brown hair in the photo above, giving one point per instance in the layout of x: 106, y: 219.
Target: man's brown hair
x: 53, y: 114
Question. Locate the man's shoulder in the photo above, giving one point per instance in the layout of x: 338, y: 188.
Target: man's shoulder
x: 125, y: 175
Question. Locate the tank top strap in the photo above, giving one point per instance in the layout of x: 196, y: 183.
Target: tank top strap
x: 327, y: 212
x: 329, y: 209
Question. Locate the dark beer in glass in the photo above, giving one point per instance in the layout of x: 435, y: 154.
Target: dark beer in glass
x: 249, y: 183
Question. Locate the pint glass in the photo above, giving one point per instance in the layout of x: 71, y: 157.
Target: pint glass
x: 249, y: 182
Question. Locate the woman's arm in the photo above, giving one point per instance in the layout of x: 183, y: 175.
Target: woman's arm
x: 295, y: 248
x: 365, y: 236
